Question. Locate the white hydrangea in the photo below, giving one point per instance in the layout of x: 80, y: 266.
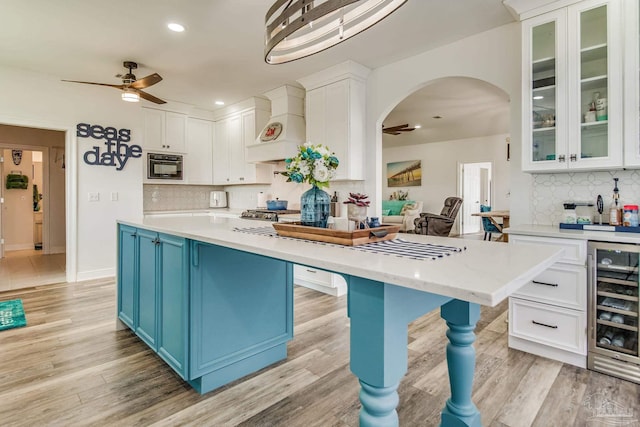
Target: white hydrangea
x: 320, y: 173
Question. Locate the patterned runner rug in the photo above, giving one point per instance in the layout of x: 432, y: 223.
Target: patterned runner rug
x: 396, y: 247
x: 12, y: 314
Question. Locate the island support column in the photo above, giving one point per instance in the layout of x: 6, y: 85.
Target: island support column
x: 461, y: 317
x: 380, y: 314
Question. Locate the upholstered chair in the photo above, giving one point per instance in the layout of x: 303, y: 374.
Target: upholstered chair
x: 487, y: 225
x: 439, y: 225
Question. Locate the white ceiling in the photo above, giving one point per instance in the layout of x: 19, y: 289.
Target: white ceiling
x: 220, y: 55
x: 468, y: 108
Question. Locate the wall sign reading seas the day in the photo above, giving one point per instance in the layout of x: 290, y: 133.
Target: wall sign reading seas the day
x: 116, y: 153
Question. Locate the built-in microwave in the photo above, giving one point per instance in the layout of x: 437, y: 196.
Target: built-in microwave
x: 164, y: 166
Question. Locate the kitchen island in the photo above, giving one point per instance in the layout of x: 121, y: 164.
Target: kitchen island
x: 216, y: 304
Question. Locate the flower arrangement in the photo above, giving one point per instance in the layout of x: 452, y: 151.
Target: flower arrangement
x: 314, y: 164
x: 358, y: 199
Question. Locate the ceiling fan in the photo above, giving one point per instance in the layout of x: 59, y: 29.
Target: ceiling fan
x: 396, y: 130
x: 131, y: 87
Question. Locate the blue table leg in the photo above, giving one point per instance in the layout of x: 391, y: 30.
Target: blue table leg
x: 379, y: 314
x: 461, y: 317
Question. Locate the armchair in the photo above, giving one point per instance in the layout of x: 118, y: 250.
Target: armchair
x: 439, y: 225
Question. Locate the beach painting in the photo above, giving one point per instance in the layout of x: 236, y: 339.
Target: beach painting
x: 404, y: 174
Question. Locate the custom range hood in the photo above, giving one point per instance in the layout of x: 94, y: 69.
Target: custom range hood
x: 286, y: 129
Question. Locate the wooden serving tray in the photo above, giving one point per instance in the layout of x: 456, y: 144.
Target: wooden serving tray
x: 348, y: 238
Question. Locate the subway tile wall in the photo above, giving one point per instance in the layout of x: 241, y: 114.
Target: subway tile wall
x: 550, y: 191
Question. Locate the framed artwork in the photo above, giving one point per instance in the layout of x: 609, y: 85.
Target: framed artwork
x: 404, y: 174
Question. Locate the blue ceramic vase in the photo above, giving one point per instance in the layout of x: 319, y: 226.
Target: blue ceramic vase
x: 314, y: 208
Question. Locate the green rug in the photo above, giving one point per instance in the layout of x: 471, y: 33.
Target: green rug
x: 12, y: 314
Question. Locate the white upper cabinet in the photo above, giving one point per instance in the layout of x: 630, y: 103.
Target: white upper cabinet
x: 335, y: 115
x: 572, y: 88
x: 164, y: 131
x: 199, y: 161
x: 232, y: 134
x: 632, y: 84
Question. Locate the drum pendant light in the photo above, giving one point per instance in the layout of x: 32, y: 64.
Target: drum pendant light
x: 299, y: 28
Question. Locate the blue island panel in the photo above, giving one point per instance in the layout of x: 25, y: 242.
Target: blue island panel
x: 242, y: 313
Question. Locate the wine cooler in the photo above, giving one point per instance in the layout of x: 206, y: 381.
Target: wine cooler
x: 613, y: 310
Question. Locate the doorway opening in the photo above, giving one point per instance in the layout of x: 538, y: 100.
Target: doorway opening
x: 33, y: 208
x: 475, y: 189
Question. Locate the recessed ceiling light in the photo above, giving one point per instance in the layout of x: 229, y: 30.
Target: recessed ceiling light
x: 538, y: 97
x: 175, y: 27
x: 436, y: 117
x: 219, y: 102
x: 417, y: 126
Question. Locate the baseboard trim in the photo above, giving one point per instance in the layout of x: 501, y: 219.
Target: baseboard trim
x: 57, y: 250
x: 95, y: 274
x: 19, y: 247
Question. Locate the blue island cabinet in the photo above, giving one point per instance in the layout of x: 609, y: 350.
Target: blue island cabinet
x: 153, y: 291
x: 212, y: 313
x: 241, y: 314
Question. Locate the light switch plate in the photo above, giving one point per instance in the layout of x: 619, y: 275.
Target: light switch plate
x: 114, y: 196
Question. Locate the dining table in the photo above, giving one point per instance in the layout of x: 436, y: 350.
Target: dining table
x: 493, y: 217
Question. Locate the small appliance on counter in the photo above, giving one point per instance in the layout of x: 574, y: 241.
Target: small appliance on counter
x: 578, y: 213
x: 218, y: 199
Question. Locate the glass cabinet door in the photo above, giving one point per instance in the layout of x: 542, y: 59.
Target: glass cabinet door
x: 616, y: 301
x: 594, y: 93
x: 543, y: 91
x: 632, y: 84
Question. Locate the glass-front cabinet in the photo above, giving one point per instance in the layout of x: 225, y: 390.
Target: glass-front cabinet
x: 632, y: 83
x: 572, y: 79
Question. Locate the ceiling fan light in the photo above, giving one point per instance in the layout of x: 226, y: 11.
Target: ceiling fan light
x: 130, y: 96
x: 173, y: 26
x: 313, y: 26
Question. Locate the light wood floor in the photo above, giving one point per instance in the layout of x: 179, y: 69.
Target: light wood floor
x: 69, y: 367
x: 22, y: 269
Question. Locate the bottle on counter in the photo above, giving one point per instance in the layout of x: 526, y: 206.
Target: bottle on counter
x: 334, y: 207
x: 615, y: 212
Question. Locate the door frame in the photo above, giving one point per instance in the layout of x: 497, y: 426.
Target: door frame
x: 461, y: 174
x: 70, y: 185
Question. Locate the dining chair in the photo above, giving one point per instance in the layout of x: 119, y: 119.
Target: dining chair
x: 487, y: 225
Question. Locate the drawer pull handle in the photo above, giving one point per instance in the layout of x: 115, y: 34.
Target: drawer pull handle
x: 544, y: 324
x: 555, y: 285
x: 311, y: 271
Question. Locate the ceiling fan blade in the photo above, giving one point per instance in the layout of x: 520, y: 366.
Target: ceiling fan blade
x: 97, y: 84
x: 145, y: 82
x: 391, y: 133
x: 394, y: 128
x: 145, y: 95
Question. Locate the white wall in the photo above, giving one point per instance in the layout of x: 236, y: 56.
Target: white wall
x: 492, y: 56
x: 43, y: 101
x: 440, y: 162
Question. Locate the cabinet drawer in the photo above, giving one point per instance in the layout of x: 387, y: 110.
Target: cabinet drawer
x: 553, y: 326
x: 301, y: 272
x: 575, y: 251
x: 561, y: 284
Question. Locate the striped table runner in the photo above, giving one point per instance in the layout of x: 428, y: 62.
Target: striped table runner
x: 396, y: 247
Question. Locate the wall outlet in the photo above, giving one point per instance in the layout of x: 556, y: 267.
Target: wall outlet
x: 94, y: 197
x: 114, y: 196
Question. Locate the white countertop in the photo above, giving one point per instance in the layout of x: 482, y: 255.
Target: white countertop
x: 485, y: 273
x: 555, y: 231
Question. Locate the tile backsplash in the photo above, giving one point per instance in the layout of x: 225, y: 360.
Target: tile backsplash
x: 157, y: 197
x: 550, y: 191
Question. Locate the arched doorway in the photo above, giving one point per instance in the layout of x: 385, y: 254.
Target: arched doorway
x: 451, y: 121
